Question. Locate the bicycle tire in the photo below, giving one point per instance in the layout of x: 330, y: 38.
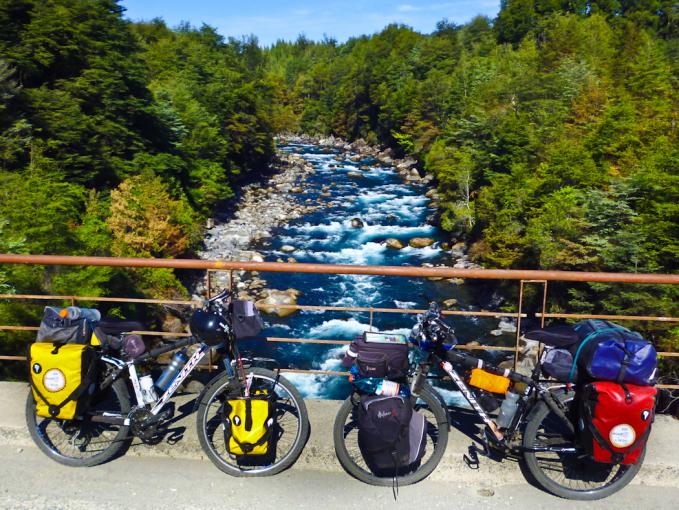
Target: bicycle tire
x: 208, y: 425
x: 38, y: 428
x: 571, y: 462
x: 437, y: 436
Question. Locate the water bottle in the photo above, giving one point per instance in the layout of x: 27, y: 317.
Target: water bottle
x: 387, y: 388
x: 508, y: 410
x: 377, y: 385
x: 172, y: 370
x: 148, y: 393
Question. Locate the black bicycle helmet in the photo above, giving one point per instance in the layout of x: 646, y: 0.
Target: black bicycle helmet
x: 209, y: 327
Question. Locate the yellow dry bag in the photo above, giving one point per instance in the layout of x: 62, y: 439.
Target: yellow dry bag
x: 489, y: 382
x: 60, y: 377
x: 248, y: 424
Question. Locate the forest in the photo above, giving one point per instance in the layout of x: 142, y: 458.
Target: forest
x: 551, y: 131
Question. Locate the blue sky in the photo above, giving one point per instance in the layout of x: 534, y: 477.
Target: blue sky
x: 271, y: 20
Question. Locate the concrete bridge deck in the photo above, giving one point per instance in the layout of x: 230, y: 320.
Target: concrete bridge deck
x: 177, y: 475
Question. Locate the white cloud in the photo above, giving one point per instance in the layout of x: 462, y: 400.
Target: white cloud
x: 407, y: 8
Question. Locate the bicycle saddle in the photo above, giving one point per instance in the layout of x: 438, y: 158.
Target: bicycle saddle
x: 557, y: 336
x: 114, y: 326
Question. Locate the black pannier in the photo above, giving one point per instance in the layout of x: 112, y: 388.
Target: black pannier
x: 383, y: 355
x: 391, y: 436
x: 246, y: 320
x: 62, y: 330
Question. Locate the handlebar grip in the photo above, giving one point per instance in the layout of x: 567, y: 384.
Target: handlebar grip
x: 154, y: 353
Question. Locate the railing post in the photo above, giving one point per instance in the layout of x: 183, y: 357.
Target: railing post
x: 518, y: 325
x: 518, y: 319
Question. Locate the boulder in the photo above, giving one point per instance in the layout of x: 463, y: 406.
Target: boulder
x: 449, y: 303
x: 357, y: 223
x: 354, y: 174
x: 274, y: 297
x: 421, y: 242
x: 286, y: 248
x: 173, y: 324
x: 394, y: 243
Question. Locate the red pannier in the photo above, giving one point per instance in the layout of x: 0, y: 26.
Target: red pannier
x: 616, y: 420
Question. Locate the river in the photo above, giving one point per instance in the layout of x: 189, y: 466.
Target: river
x: 344, y: 189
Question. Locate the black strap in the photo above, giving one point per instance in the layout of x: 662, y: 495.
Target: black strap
x: 248, y: 414
x: 624, y: 364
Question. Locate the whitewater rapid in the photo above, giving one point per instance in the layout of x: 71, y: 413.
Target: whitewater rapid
x: 387, y: 207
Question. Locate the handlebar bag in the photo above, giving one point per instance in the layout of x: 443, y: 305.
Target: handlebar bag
x: 58, y: 329
x: 391, y: 436
x: 62, y: 378
x: 615, y: 420
x: 610, y: 352
x: 383, y: 355
x: 248, y: 424
x: 246, y: 320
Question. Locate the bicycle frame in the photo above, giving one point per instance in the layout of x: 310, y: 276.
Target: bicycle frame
x: 183, y: 374
x: 533, y: 387
x: 131, y: 367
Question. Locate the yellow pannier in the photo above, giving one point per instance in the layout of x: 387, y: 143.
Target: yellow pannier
x: 248, y: 424
x: 60, y: 377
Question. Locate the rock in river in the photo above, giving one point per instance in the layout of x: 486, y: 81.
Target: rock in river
x: 421, y: 242
x: 286, y: 248
x: 394, y: 243
x: 357, y: 223
x: 274, y: 297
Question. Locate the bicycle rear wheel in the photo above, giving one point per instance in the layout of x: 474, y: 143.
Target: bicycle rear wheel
x: 345, y: 436
x: 82, y: 442
x: 291, y: 426
x: 569, y: 475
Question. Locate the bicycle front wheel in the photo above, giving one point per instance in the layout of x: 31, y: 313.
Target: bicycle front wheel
x: 83, y: 442
x: 345, y: 436
x: 291, y: 428
x: 569, y: 475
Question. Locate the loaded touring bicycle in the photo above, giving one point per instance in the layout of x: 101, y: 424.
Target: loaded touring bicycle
x: 579, y: 423
x: 92, y: 392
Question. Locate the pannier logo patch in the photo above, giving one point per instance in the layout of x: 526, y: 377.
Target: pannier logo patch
x: 37, y: 368
x: 622, y: 436
x: 645, y: 415
x: 54, y: 380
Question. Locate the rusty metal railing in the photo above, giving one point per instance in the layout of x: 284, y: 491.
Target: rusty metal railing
x: 524, y: 277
